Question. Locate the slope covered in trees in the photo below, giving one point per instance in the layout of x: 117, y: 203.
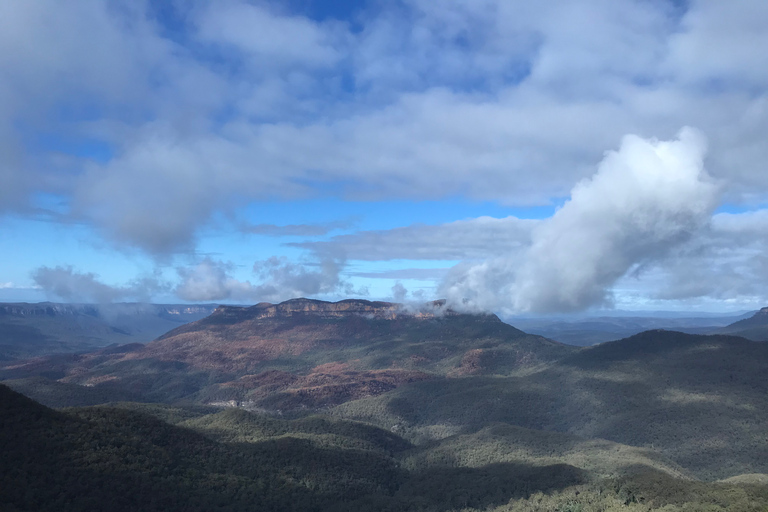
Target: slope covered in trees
x: 124, y: 457
x: 701, y: 400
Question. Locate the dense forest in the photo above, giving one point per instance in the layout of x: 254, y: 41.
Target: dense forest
x: 129, y: 456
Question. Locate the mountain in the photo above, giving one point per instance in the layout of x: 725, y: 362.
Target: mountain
x: 301, y: 354
x: 754, y: 328
x: 357, y: 405
x: 29, y: 330
x: 700, y: 400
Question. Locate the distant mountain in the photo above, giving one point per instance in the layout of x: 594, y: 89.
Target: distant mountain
x: 754, y: 328
x: 28, y: 330
x: 590, y: 330
x: 302, y: 354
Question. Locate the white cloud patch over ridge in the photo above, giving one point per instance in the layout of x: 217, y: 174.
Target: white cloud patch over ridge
x: 645, y: 199
x: 66, y: 283
x: 279, y: 279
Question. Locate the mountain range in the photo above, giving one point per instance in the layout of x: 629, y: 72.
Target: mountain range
x: 298, y: 354
x: 372, y: 405
x: 28, y: 330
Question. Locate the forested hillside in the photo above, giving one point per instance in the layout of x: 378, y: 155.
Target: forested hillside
x: 124, y: 457
x: 307, y: 405
x: 700, y: 400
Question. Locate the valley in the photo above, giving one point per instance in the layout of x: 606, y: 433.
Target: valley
x: 28, y: 330
x: 312, y: 405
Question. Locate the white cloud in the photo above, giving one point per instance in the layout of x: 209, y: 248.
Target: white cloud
x: 210, y: 281
x: 725, y: 262
x: 399, y: 292
x: 66, y: 283
x: 271, y: 39
x: 504, y: 101
x: 280, y: 279
x: 644, y: 200
x: 728, y: 35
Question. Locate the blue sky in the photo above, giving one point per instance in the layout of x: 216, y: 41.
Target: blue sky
x: 523, y: 158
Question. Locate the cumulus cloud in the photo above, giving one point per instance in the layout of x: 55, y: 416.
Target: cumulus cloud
x: 493, y: 100
x: 65, y: 283
x: 209, y: 280
x: 279, y: 279
x: 283, y: 278
x: 728, y: 37
x: 726, y: 262
x: 645, y: 199
x: 399, y: 292
x: 268, y: 37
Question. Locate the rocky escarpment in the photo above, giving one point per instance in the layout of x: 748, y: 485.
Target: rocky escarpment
x: 321, y: 309
x: 52, y: 309
x: 47, y: 309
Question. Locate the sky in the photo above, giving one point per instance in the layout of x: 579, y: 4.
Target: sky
x: 519, y: 157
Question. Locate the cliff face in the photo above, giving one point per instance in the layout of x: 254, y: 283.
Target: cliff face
x: 759, y: 319
x: 754, y: 328
x: 28, y: 330
x: 47, y: 309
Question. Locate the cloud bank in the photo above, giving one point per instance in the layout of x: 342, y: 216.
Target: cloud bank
x: 150, y: 122
x: 644, y: 200
x: 69, y: 285
x: 280, y: 279
x: 495, y: 100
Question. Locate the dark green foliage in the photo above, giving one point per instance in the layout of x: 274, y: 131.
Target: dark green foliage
x: 126, y: 458
x: 59, y: 394
x: 168, y: 413
x: 493, y: 484
x: 116, y: 459
x: 236, y: 425
x: 701, y: 400
x: 20, y: 340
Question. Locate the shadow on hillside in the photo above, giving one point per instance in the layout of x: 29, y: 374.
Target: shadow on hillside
x: 484, y: 487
